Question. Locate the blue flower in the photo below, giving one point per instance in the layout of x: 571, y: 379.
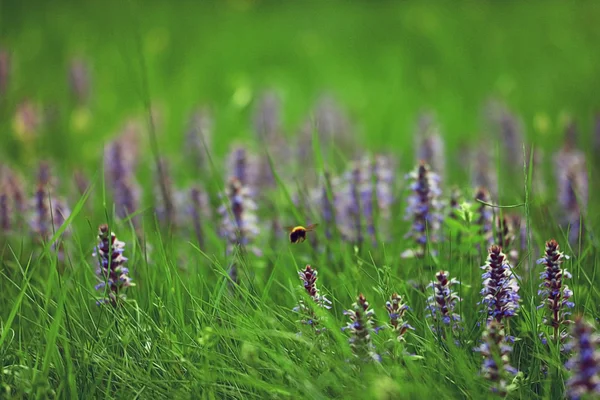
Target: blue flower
x: 585, y: 362
x: 500, y: 286
x: 113, y: 275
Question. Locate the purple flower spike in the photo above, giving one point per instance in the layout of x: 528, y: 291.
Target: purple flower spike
x: 308, y: 276
x: 554, y: 292
x: 442, y: 302
x: 396, y: 310
x: 584, y: 365
x: 500, y: 287
x: 360, y: 327
x: 423, y: 209
x: 113, y: 276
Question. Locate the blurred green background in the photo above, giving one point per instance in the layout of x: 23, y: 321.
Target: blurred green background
x: 385, y: 61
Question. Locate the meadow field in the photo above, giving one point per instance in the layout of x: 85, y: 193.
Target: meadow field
x: 155, y: 157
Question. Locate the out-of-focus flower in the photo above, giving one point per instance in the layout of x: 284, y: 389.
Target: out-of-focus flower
x: 572, y: 182
x: 483, y: 170
x: 79, y: 80
x: 429, y: 144
x: 508, y: 235
x: 238, y: 219
x: 120, y: 159
x: 112, y: 274
x: 424, y: 210
x: 509, y: 132
x: 48, y: 212
x: 496, y: 350
x: 584, y: 365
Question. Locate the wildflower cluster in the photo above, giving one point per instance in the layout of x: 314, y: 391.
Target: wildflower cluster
x: 423, y: 210
x: 496, y: 350
x: 554, y: 292
x: 573, y: 188
x: 584, y: 365
x: 308, y: 276
x: 238, y: 218
x: 361, y: 328
x: 500, y: 287
x: 443, y: 302
x: 113, y: 275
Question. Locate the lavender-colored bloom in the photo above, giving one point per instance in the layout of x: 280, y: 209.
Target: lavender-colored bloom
x: 48, y: 212
x: 442, y: 303
x: 485, y: 215
x: 267, y: 117
x: 5, y: 210
x: 483, y: 170
x: 238, y: 219
x: 573, y: 187
x: 308, y: 276
x: 496, y: 350
x: 363, y: 199
x: 509, y: 131
x: 396, y: 310
x: 555, y: 294
x: 332, y: 122
x: 430, y: 145
x: 79, y: 80
x: 500, y: 287
x: 112, y: 274
x: 354, y: 205
x: 360, y: 328
x: 17, y: 204
x: 245, y: 167
x: 423, y: 209
x: 507, y: 228
x: 584, y: 365
x: 384, y: 178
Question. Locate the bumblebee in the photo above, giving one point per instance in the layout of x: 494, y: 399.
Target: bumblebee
x: 298, y: 233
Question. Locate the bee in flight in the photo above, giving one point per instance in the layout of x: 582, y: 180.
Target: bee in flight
x: 298, y: 233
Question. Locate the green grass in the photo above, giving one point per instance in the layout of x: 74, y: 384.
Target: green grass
x: 184, y: 333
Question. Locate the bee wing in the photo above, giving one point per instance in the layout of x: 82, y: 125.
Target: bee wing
x: 289, y: 228
x: 311, y: 227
